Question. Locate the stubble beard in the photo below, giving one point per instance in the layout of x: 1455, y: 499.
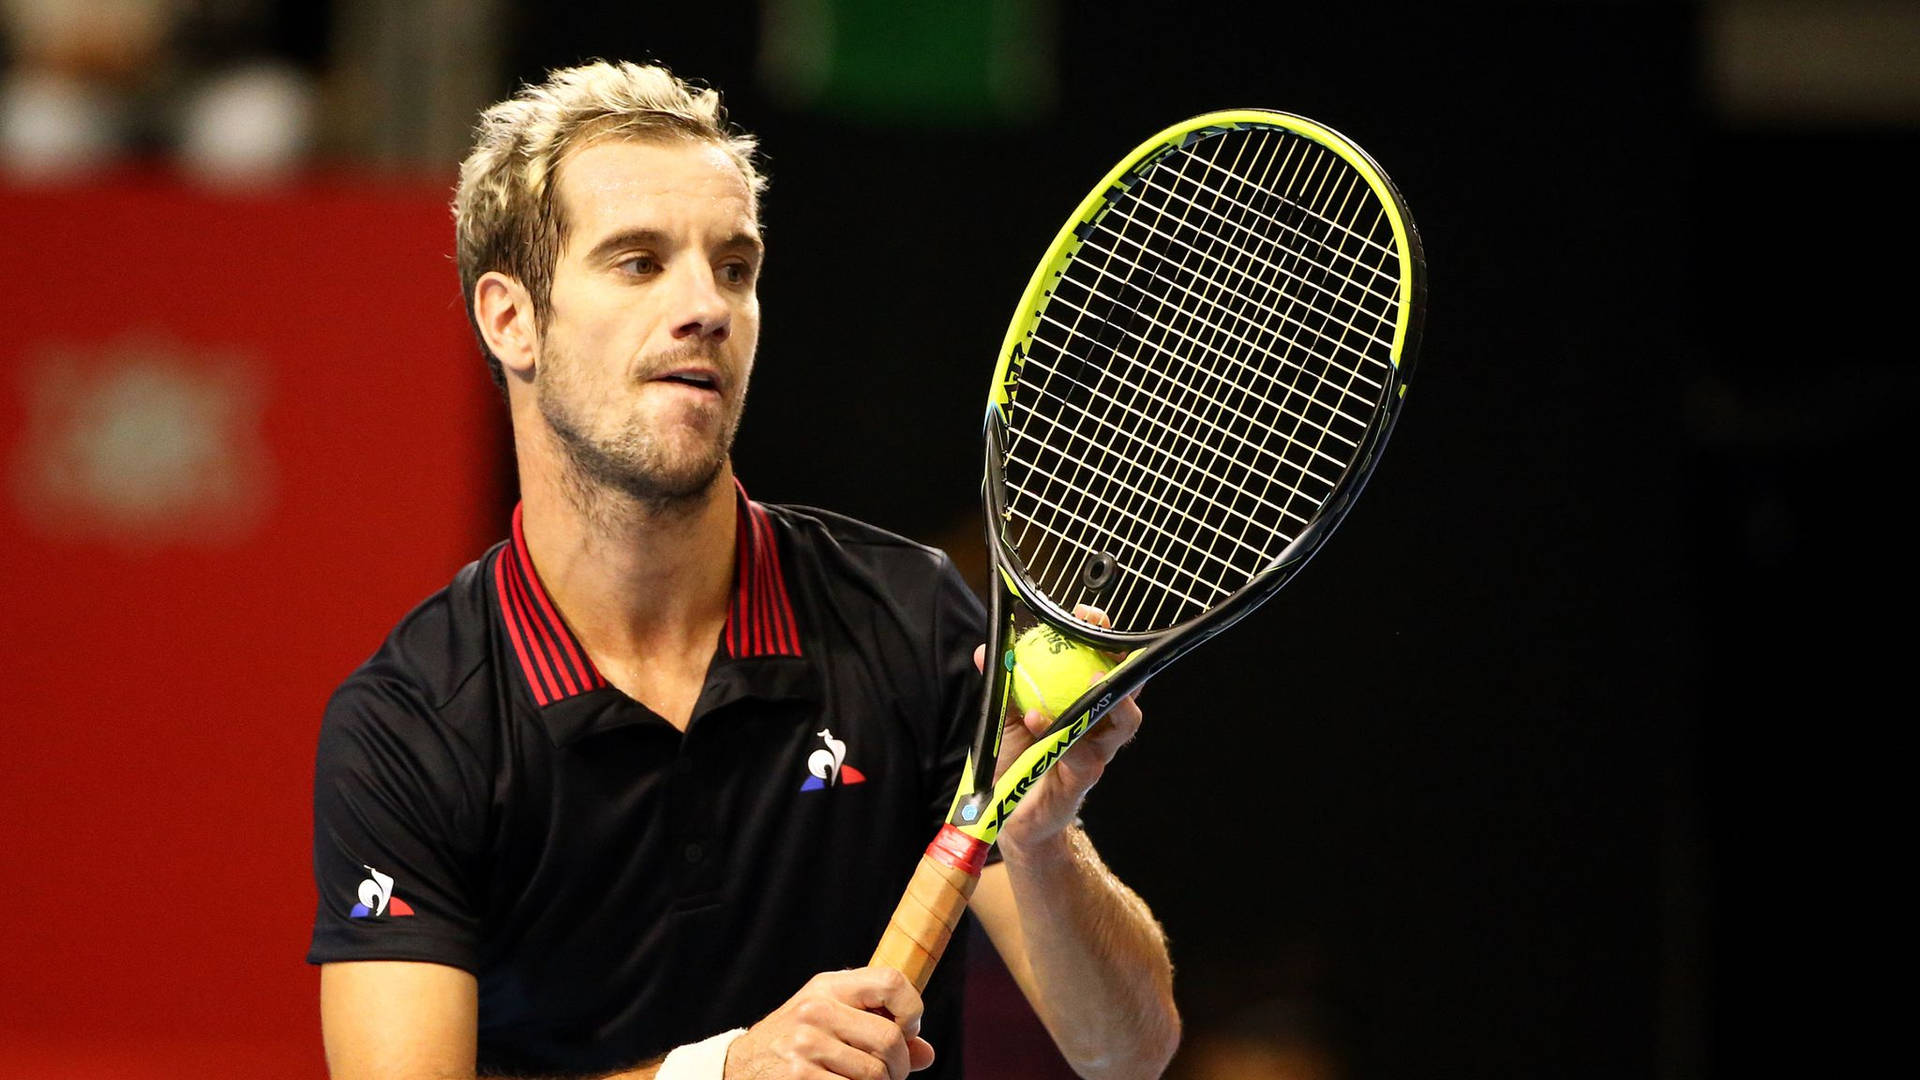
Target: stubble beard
x: 633, y: 461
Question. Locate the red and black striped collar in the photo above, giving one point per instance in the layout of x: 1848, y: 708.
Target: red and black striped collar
x: 760, y: 618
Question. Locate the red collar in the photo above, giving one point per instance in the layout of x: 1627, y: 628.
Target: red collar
x: 759, y: 616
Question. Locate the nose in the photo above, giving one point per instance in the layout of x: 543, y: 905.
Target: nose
x: 701, y: 311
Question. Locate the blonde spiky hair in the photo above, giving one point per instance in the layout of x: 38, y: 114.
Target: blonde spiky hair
x: 506, y: 214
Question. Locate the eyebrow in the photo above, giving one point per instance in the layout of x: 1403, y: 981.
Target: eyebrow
x: 654, y: 238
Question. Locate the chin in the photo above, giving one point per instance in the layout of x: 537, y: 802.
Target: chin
x: 687, y: 482
x: 675, y: 469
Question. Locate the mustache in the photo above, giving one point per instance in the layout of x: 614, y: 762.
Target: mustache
x: 686, y: 355
x: 690, y: 354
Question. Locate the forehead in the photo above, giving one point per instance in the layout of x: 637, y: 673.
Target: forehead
x: 616, y: 183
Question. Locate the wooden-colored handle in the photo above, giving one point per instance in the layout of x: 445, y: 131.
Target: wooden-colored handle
x: 924, y: 922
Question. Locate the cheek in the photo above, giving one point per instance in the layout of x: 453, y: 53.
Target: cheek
x: 593, y: 317
x: 574, y: 368
x: 592, y: 347
x: 746, y: 321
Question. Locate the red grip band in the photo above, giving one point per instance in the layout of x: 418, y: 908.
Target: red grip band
x: 958, y: 850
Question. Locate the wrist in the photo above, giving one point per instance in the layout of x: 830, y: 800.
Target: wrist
x: 1052, y: 850
x: 704, y: 1060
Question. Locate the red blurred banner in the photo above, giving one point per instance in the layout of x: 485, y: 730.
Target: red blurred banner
x: 242, y: 435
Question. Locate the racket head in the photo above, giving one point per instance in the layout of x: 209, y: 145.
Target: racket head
x: 1258, y: 279
x: 1197, y: 382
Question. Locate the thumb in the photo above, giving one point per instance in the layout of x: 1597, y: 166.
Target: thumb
x: 919, y: 1053
x: 980, y: 657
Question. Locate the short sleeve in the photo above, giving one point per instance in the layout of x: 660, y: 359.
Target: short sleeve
x: 959, y: 626
x: 398, y: 832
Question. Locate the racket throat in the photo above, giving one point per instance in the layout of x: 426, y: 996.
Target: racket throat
x: 969, y: 810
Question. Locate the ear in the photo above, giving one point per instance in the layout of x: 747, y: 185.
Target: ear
x: 504, y: 311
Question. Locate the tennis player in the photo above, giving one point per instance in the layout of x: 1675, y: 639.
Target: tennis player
x: 635, y: 794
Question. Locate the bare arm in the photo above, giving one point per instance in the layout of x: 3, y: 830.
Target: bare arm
x: 398, y: 1020
x: 1084, y: 948
x: 388, y: 1019
x: 1088, y: 955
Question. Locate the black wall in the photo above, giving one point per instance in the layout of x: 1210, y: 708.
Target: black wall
x: 1478, y: 788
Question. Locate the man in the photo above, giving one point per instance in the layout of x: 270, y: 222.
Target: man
x: 646, y: 780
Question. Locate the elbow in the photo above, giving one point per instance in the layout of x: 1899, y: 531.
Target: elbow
x: 1158, y: 1038
x: 1155, y: 1039
x: 1160, y: 1041
x: 1158, y: 1052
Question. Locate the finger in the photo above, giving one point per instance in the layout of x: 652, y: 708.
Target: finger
x: 1078, y: 775
x: 893, y: 1045
x: 1014, y: 741
x: 1099, y: 745
x: 876, y: 1038
x: 1087, y: 613
x: 1036, y: 722
x: 980, y: 657
x: 846, y: 1060
x: 879, y: 1039
x: 1125, y: 715
x: 919, y: 1053
x: 1101, y: 742
x: 871, y: 989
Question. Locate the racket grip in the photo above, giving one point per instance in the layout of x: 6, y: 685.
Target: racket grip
x: 935, y: 899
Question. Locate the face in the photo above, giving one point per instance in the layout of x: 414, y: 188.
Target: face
x: 644, y: 361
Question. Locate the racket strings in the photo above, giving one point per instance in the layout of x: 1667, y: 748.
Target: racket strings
x: 1120, y: 510
x: 1364, y: 237
x: 1201, y: 378
x: 1335, y: 296
x: 1157, y: 399
x: 1195, y: 306
x: 1182, y: 391
x: 1364, y: 400
x: 1263, y: 455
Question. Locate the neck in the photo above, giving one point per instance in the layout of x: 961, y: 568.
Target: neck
x: 638, y: 581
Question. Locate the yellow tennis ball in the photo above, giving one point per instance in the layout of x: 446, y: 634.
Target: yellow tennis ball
x: 1050, y: 670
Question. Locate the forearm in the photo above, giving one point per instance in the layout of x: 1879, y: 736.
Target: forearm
x: 704, y: 1060
x: 645, y: 1071
x: 638, y: 1073
x: 648, y: 1070
x: 1095, y: 961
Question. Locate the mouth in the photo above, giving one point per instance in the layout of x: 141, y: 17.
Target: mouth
x: 699, y: 378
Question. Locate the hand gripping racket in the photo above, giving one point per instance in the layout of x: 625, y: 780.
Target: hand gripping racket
x: 1198, y: 381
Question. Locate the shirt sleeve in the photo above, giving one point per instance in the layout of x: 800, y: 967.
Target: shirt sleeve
x: 398, y: 831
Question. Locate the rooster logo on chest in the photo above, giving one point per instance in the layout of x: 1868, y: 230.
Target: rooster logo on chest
x: 828, y: 766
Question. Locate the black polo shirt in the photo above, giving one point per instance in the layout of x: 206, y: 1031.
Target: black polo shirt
x: 484, y: 799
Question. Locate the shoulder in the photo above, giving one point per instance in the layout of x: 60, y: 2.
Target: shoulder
x: 899, y: 604
x: 852, y: 554
x: 428, y: 678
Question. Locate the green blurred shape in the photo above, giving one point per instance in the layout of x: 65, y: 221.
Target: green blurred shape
x: 957, y: 63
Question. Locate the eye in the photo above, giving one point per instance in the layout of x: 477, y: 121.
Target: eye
x: 640, y: 265
x: 736, y: 273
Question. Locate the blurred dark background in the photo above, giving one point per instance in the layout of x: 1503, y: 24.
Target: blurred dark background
x: 1550, y: 765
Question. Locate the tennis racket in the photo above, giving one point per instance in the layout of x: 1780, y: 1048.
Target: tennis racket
x: 1198, y: 381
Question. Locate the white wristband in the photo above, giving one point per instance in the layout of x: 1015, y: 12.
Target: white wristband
x: 704, y: 1060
